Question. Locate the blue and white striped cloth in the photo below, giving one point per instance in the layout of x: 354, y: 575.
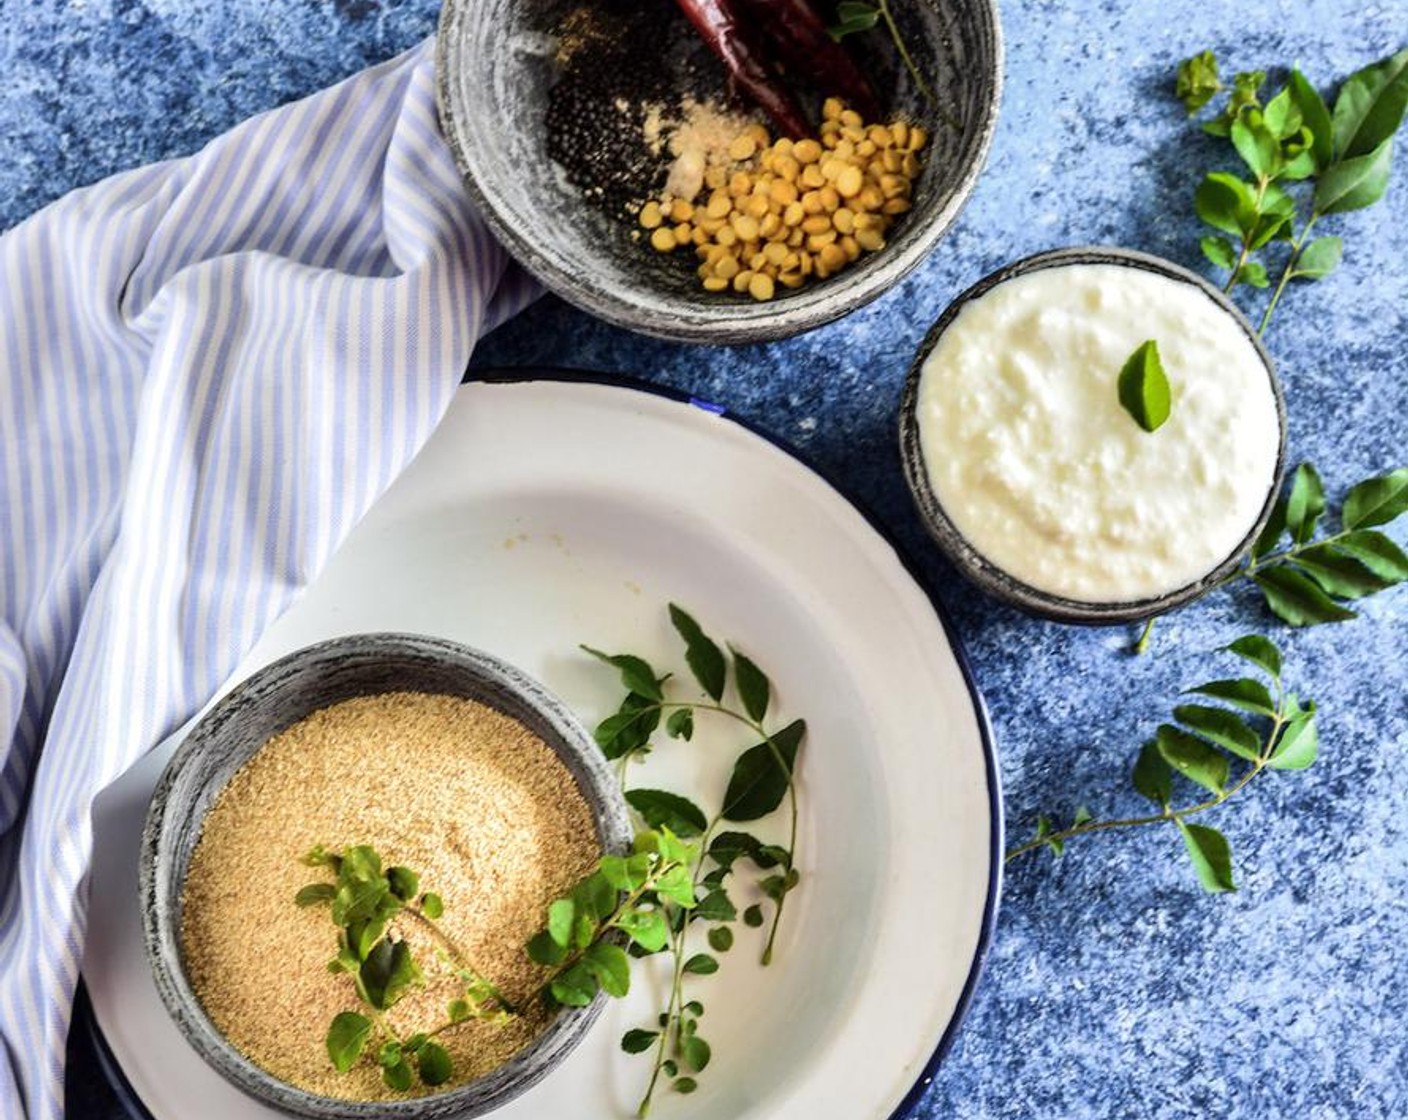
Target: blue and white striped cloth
x: 209, y: 369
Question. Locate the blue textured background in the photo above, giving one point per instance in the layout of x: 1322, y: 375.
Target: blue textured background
x: 1114, y: 988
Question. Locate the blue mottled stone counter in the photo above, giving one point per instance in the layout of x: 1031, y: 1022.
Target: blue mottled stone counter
x: 1114, y: 986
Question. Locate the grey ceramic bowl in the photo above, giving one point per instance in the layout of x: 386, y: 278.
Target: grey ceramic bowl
x: 977, y: 567
x: 495, y: 65
x: 273, y: 699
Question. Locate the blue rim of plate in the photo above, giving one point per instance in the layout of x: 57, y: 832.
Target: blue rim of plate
x: 84, y: 1018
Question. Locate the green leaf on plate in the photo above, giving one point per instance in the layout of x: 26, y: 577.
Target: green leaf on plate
x: 853, y: 16
x: 762, y: 774
x: 703, y: 656
x: 661, y: 809
x: 638, y: 1041
x: 636, y: 674
x: 752, y: 684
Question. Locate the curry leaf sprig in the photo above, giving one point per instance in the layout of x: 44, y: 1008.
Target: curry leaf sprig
x: 1216, y: 748
x: 762, y: 777
x: 1303, y: 581
x: 855, y: 16
x: 1304, y: 578
x: 685, y: 862
x: 365, y: 901
x: 623, y: 899
x: 1343, y: 154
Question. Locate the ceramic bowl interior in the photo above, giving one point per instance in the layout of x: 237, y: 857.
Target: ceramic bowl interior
x: 977, y: 567
x: 498, y: 60
x: 275, y: 698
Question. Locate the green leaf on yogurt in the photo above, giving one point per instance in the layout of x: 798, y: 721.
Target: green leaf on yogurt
x: 1143, y: 387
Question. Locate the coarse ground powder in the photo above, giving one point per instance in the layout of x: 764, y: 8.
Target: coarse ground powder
x: 626, y: 74
x: 470, y: 799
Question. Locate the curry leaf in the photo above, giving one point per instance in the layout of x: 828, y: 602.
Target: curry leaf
x: 1143, y: 387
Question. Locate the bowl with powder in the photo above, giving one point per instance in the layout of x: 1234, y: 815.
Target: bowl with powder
x: 603, y: 143
x: 457, y: 785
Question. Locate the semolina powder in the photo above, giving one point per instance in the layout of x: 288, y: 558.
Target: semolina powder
x: 467, y: 797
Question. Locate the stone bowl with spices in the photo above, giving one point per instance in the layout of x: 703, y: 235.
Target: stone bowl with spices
x: 341, y: 868
x: 1094, y: 435
x: 719, y: 171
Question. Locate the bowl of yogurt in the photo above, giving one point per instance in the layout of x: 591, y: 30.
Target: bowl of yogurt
x: 1042, y: 486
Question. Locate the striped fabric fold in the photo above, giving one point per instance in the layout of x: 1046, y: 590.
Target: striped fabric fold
x: 209, y: 370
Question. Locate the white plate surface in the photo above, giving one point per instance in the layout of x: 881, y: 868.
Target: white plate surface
x: 546, y: 512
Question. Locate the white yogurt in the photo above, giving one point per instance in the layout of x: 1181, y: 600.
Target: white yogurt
x: 1046, y: 475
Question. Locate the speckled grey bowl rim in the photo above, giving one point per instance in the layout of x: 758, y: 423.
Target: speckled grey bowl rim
x: 405, y: 651
x: 987, y: 575
x: 725, y: 323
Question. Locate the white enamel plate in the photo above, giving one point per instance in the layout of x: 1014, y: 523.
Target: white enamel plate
x: 554, y: 510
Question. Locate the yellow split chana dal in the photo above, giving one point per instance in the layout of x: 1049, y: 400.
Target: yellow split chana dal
x: 790, y: 212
